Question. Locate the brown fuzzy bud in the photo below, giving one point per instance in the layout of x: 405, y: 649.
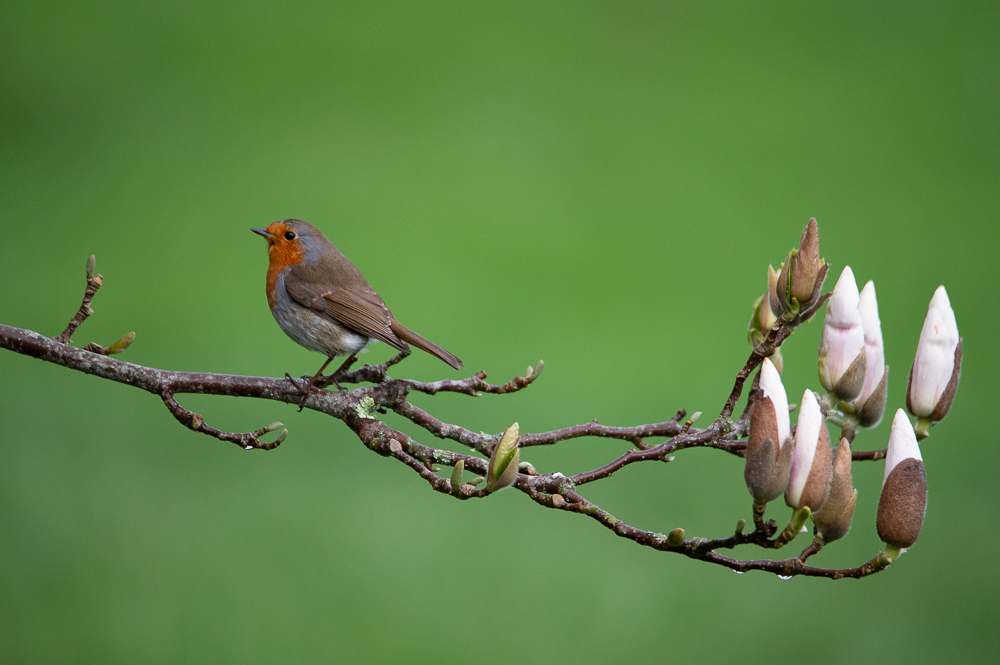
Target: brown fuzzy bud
x: 806, y: 264
x: 902, y: 505
x: 833, y: 520
x: 767, y: 465
x: 824, y: 268
x: 769, y: 445
x: 904, y: 487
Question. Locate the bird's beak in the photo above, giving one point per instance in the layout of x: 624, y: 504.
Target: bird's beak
x: 262, y: 232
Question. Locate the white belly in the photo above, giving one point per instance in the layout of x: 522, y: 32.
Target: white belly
x: 313, y: 331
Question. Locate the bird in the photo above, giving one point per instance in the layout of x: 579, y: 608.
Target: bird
x: 323, y: 302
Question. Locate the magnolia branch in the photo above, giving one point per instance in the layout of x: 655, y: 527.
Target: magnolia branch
x: 358, y: 408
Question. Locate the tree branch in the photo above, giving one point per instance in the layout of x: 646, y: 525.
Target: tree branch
x: 357, y: 409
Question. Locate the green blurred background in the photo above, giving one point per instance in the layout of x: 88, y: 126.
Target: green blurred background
x: 601, y: 185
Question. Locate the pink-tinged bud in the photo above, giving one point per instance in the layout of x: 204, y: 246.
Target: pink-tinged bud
x: 842, y: 361
x: 904, y: 487
x: 938, y: 362
x: 769, y: 446
x: 870, y: 404
x: 774, y: 389
x: 811, y: 470
x: 833, y: 520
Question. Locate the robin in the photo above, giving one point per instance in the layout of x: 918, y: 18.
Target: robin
x: 323, y: 302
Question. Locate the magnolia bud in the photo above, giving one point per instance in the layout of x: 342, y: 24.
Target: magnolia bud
x: 760, y: 321
x: 782, y: 288
x: 456, y: 476
x: 938, y: 362
x: 904, y: 487
x: 807, y: 264
x: 763, y: 319
x: 870, y: 404
x: 776, y: 301
x: 811, y: 470
x: 769, y: 446
x: 842, y: 361
x: 502, y: 471
x: 833, y: 520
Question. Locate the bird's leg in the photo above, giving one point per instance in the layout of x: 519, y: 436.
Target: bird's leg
x: 351, y: 359
x: 305, y: 393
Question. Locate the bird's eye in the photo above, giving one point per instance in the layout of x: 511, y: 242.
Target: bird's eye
x: 290, y: 235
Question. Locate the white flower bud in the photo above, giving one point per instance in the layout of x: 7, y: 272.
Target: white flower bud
x: 842, y: 360
x: 902, y: 444
x: 870, y: 404
x: 770, y: 383
x: 936, y: 367
x: 811, y: 469
x: 874, y: 352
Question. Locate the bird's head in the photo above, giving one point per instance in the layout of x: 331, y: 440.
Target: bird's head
x: 291, y: 241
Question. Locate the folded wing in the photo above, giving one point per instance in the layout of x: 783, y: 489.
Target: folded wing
x: 361, y: 310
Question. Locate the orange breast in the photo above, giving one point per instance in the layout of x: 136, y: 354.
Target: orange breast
x: 282, y: 255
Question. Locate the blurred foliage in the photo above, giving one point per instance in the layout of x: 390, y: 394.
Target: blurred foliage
x: 601, y: 185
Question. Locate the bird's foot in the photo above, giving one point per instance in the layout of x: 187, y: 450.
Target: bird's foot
x: 341, y: 371
x: 305, y: 396
x: 305, y: 391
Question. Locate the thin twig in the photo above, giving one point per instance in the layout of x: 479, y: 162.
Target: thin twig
x: 245, y: 440
x: 867, y: 455
x: 93, y: 284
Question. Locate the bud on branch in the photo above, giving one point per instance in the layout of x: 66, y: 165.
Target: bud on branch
x: 904, y: 487
x: 937, y: 366
x: 504, y: 462
x: 842, y: 361
x: 809, y: 477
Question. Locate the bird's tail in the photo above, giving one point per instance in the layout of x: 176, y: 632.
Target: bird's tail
x: 407, y: 335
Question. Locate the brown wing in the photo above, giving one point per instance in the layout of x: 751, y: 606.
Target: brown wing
x: 361, y: 309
